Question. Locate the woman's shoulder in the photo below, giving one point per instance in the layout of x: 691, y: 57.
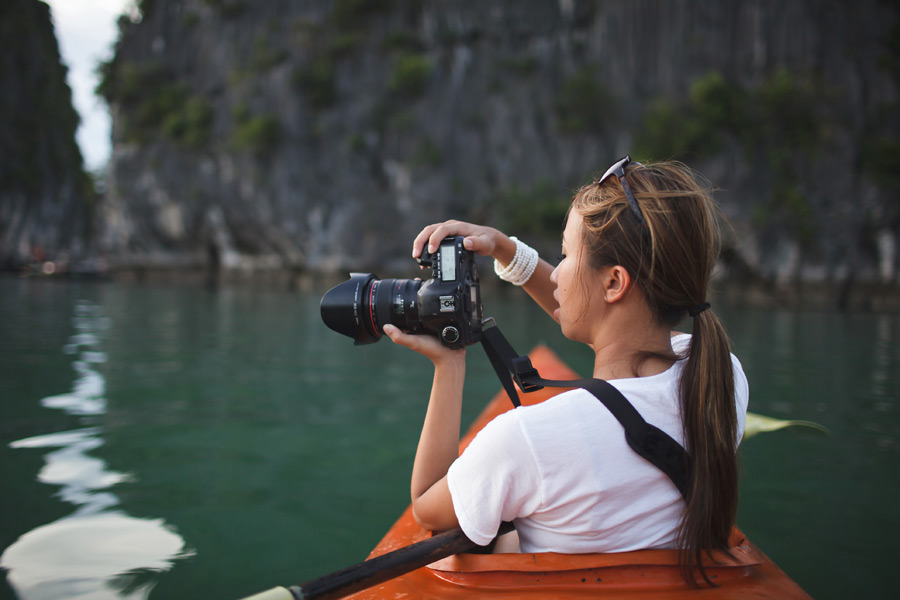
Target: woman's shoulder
x: 567, y: 405
x: 567, y: 400
x: 557, y: 412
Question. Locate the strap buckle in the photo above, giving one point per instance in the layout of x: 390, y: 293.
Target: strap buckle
x: 523, y: 370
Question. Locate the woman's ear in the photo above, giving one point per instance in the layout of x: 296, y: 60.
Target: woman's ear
x: 616, y: 283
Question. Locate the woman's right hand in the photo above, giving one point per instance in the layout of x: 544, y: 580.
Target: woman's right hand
x: 480, y: 239
x: 488, y: 241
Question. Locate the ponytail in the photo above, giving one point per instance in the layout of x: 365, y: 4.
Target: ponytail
x: 709, y: 419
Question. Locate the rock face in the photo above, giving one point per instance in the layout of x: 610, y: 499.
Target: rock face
x: 45, y: 194
x: 323, y: 134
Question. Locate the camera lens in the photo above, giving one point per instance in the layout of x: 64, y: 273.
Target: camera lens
x: 362, y: 305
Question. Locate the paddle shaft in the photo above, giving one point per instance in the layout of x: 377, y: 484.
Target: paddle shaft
x: 381, y: 568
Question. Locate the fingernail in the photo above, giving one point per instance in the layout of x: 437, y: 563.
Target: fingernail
x: 431, y: 248
x: 468, y: 243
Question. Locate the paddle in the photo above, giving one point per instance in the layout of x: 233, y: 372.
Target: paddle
x: 762, y: 424
x: 377, y: 570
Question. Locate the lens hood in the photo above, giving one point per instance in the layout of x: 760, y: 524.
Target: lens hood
x: 343, y: 309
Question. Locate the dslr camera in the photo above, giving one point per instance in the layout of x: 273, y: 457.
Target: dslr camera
x: 448, y: 305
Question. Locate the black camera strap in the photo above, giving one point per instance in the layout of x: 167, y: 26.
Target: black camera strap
x: 649, y: 441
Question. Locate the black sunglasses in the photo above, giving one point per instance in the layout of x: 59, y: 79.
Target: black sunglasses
x: 618, y: 169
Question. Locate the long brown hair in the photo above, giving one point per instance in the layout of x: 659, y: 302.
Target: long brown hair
x: 671, y: 257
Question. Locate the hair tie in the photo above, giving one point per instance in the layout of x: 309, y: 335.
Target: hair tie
x: 698, y: 309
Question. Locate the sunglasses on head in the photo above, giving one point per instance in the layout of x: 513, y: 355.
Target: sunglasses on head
x: 618, y: 169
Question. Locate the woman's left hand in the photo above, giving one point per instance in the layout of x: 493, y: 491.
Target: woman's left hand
x: 426, y: 345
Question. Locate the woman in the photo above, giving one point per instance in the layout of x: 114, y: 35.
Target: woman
x: 639, y: 246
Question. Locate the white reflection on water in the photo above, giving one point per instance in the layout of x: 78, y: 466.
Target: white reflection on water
x: 882, y: 381
x: 98, y: 551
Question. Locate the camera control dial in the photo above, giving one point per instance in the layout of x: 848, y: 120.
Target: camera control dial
x: 450, y: 334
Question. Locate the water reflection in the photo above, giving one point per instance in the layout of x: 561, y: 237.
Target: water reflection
x: 883, y: 401
x: 98, y: 551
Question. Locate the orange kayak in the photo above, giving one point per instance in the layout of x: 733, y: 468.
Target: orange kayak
x: 748, y: 573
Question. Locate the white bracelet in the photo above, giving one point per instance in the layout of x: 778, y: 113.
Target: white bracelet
x: 521, y: 267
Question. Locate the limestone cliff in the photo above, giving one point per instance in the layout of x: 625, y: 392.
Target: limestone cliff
x: 322, y: 134
x: 45, y: 194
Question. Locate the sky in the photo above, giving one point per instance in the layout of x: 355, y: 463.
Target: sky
x: 86, y: 32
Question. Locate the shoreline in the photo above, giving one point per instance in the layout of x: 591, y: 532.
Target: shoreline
x: 862, y: 297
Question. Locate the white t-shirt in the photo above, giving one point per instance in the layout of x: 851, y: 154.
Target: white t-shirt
x: 564, y: 473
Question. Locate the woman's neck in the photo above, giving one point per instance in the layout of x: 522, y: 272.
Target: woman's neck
x: 636, y: 365
x: 633, y: 352
x: 626, y: 338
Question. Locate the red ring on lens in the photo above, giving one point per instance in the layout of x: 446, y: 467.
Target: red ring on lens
x: 375, y: 331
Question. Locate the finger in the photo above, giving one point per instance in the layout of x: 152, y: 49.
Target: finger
x: 393, y: 332
x: 480, y: 243
x: 396, y: 336
x: 422, y: 238
x: 404, y: 339
x: 425, y: 345
x: 447, y: 229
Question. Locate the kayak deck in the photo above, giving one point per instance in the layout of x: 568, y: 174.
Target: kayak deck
x: 747, y: 573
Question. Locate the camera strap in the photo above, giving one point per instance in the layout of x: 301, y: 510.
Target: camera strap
x: 650, y: 442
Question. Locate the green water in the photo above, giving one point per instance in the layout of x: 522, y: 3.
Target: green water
x: 168, y: 442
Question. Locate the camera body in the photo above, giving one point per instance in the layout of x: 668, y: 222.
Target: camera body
x: 448, y: 305
x: 450, y: 302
